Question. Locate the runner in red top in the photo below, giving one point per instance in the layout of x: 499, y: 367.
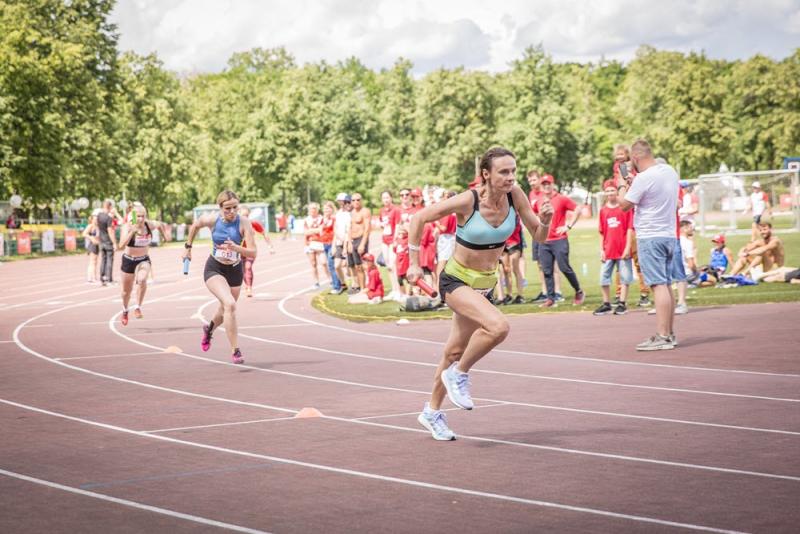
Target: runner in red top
x: 247, y: 263
x: 556, y: 248
x: 616, y: 227
x: 390, y: 216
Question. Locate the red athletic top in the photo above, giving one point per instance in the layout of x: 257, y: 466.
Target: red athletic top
x: 327, y: 231
x: 614, y: 225
x: 449, y: 222
x: 374, y: 283
x: 535, y: 196
x: 402, y: 260
x: 427, y: 248
x: 561, y: 205
x: 516, y: 236
x: 389, y: 217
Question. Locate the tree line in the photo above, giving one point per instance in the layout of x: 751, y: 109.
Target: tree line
x: 80, y: 118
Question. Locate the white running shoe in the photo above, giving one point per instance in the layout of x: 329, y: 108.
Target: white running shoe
x: 681, y: 309
x: 436, y: 422
x: 457, y: 385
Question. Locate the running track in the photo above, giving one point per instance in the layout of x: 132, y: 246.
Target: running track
x: 111, y: 428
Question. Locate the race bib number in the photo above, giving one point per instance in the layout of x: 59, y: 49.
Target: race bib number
x: 227, y: 255
x: 141, y: 241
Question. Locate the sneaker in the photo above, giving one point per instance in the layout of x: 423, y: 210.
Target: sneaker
x: 337, y: 291
x: 621, y: 309
x: 548, y: 303
x: 674, y: 339
x: 237, y: 357
x: 644, y: 301
x: 559, y: 297
x: 457, y: 385
x: 651, y: 312
x: 604, y: 309
x: 316, y: 285
x: 124, y: 318
x: 681, y: 309
x: 353, y: 290
x: 205, y: 342
x: 436, y: 422
x: 541, y: 297
x: 656, y: 342
x: 506, y: 300
x: 137, y: 312
x: 580, y: 298
x: 518, y: 300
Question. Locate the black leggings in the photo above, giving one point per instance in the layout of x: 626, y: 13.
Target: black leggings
x: 556, y: 251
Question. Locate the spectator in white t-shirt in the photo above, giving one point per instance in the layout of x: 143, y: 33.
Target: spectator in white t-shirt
x: 654, y: 193
x: 758, y: 204
x: 341, y: 237
x: 689, y: 204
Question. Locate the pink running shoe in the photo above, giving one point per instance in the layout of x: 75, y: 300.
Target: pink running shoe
x: 237, y: 356
x: 124, y: 319
x: 580, y: 298
x: 205, y: 343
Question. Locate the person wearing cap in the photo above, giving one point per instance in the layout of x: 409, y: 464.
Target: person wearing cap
x: 486, y: 218
x: 689, y: 205
x: 616, y: 229
x: 535, y: 196
x: 758, y: 204
x: 372, y: 293
x: 654, y: 193
x: 341, y: 239
x: 416, y: 198
x: 721, y: 259
x: 556, y: 248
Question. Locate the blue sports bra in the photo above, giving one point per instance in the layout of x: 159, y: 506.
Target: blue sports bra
x: 225, y: 230
x: 478, y: 234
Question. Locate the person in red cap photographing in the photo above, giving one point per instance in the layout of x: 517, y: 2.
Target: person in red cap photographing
x: 556, y: 248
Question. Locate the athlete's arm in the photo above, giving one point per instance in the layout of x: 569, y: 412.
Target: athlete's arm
x: 460, y: 204
x: 206, y: 221
x: 125, y: 237
x: 537, y: 225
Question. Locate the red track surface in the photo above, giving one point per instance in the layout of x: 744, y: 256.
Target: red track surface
x: 574, y: 431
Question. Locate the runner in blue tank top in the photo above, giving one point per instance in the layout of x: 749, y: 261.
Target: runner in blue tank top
x: 486, y: 218
x: 223, y: 272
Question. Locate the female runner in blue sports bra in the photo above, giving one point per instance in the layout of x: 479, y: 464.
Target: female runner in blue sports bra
x: 223, y: 272
x: 486, y: 217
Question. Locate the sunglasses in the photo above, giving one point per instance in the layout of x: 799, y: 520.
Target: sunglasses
x: 356, y: 200
x: 405, y: 194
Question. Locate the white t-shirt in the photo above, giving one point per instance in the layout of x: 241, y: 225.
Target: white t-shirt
x: 341, y: 225
x: 655, y: 194
x: 759, y: 202
x: 687, y: 251
x: 687, y: 210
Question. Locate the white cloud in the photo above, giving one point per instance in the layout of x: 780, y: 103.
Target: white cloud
x: 200, y: 35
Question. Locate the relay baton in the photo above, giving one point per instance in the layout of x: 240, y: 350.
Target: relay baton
x: 133, y: 215
x: 186, y: 262
x: 428, y: 290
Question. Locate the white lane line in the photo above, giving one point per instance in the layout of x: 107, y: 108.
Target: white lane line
x: 8, y: 341
x: 110, y: 355
x: 40, y: 326
x: 272, y: 326
x: 382, y: 478
x: 282, y: 308
x: 131, y: 504
x: 234, y: 423
x: 389, y: 415
x: 525, y: 375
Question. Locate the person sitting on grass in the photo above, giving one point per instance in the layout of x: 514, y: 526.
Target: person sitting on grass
x: 781, y: 274
x: 616, y: 227
x: 721, y: 259
x: 766, y: 252
x: 373, y: 292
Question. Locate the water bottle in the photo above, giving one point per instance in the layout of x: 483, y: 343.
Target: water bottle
x: 133, y: 215
x: 585, y: 269
x: 186, y: 262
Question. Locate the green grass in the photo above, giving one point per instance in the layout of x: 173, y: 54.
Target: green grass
x: 584, y: 250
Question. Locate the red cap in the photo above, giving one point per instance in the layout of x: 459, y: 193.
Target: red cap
x: 367, y: 257
x: 609, y: 184
x: 547, y: 179
x: 719, y: 238
x: 475, y: 182
x: 416, y: 192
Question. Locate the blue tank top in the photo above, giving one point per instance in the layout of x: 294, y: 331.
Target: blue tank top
x: 718, y: 260
x: 225, y: 230
x: 478, y: 234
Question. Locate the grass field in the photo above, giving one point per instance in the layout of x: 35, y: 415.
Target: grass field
x: 584, y: 254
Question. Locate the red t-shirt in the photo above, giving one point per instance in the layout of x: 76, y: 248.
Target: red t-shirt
x: 374, y: 283
x: 406, y: 213
x: 561, y: 205
x: 311, y: 223
x: 402, y: 260
x: 516, y: 236
x: 427, y: 248
x: 617, y: 177
x: 281, y: 221
x: 449, y: 223
x: 389, y: 217
x: 535, y: 196
x: 614, y: 226
x: 327, y: 231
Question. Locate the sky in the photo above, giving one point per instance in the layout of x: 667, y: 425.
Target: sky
x: 193, y: 36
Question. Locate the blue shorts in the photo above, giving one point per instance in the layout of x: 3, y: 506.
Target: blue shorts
x: 624, y: 268
x: 678, y: 272
x: 655, y: 259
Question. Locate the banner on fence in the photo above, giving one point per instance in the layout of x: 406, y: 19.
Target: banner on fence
x: 23, y: 243
x: 48, y: 241
x: 70, y: 240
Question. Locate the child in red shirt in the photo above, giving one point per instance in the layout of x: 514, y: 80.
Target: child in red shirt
x: 616, y: 227
x: 373, y: 293
x: 402, y: 259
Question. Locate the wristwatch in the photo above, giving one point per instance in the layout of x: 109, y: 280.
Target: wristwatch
x: 187, y: 245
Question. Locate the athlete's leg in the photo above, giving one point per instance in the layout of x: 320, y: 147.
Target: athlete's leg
x: 460, y: 332
x: 227, y: 296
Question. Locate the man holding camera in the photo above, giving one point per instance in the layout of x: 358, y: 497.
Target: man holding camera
x: 654, y: 193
